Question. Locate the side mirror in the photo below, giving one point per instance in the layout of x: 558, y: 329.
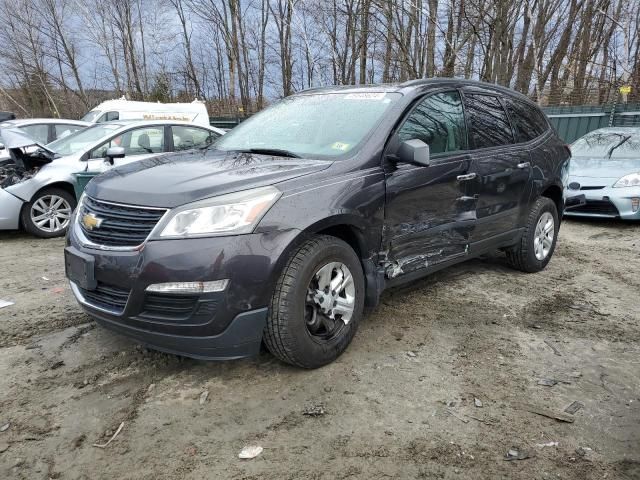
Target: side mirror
x: 414, y: 151
x: 114, y: 152
x: 1, y: 146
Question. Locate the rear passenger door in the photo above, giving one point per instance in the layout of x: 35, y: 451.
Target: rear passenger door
x: 501, y: 169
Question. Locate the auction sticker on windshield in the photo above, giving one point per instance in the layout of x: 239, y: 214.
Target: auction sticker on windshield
x: 366, y: 96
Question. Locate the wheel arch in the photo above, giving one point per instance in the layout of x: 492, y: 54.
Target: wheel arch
x: 554, y: 193
x: 354, y: 231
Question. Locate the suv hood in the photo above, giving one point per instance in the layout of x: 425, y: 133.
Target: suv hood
x: 172, y: 180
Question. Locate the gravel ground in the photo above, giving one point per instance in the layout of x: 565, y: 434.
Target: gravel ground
x: 400, y: 403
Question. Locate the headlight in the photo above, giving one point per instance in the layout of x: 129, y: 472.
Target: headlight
x: 631, y: 180
x: 234, y: 213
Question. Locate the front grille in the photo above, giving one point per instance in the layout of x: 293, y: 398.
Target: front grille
x: 120, y: 225
x: 592, y: 188
x: 600, y: 207
x: 107, y: 297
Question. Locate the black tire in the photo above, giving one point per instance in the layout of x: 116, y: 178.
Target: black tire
x: 522, y: 256
x: 26, y: 218
x: 286, y: 335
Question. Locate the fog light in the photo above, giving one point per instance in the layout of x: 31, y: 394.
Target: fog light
x: 635, y: 203
x: 188, y: 287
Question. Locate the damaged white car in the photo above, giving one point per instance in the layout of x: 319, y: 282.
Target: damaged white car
x: 37, y: 182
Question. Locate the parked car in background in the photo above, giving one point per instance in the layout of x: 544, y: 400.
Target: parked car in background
x: 123, y: 109
x: 7, y: 116
x: 300, y: 216
x: 37, y: 183
x: 605, y: 167
x: 44, y: 130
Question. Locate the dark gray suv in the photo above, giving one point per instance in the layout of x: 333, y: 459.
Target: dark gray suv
x: 296, y: 220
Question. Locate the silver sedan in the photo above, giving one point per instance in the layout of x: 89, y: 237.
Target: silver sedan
x: 605, y: 167
x: 37, y: 182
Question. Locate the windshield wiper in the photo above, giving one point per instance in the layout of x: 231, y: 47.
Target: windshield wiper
x: 271, y: 151
x: 618, y: 144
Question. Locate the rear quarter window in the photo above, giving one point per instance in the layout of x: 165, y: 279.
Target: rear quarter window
x: 528, y: 121
x: 489, y: 124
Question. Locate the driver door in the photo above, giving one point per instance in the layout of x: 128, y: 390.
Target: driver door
x: 138, y: 144
x: 429, y: 216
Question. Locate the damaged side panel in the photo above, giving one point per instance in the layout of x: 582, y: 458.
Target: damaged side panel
x: 429, y: 216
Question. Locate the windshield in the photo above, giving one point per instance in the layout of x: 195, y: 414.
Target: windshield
x: 91, y: 116
x: 83, y: 139
x: 322, y: 125
x: 601, y: 144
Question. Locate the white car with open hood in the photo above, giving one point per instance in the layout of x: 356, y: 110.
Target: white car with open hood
x: 37, y: 182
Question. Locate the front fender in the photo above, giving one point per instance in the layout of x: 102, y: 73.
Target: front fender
x: 47, y: 175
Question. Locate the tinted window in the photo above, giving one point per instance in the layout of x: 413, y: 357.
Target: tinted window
x: 186, y: 138
x: 40, y: 133
x: 438, y: 120
x: 62, y: 130
x: 140, y: 141
x: 112, y: 116
x: 528, y: 122
x: 488, y: 121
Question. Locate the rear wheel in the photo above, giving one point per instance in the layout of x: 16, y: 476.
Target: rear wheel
x: 538, y: 241
x: 48, y: 213
x: 317, y: 303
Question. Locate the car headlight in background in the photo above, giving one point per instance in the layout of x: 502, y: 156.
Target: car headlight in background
x: 233, y: 213
x: 631, y: 180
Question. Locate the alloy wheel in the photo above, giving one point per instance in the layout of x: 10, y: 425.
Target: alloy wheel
x: 543, y: 237
x: 51, y: 213
x: 330, y: 301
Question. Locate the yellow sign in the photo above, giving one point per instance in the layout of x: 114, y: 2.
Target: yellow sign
x: 625, y: 89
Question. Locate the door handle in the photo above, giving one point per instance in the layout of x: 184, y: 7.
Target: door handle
x: 468, y: 176
x: 524, y: 165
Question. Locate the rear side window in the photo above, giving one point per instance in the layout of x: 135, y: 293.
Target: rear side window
x: 528, y: 122
x: 489, y: 124
x: 438, y: 121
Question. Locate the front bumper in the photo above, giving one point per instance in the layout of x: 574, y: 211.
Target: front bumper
x: 213, y: 326
x: 10, y: 208
x: 607, y: 202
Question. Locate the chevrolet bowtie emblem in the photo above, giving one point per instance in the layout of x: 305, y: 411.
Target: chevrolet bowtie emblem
x: 90, y: 221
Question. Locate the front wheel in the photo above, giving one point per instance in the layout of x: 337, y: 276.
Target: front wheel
x: 48, y: 213
x: 317, y: 303
x: 538, y: 242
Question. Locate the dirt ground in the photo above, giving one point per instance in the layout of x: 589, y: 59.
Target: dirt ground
x: 401, y: 403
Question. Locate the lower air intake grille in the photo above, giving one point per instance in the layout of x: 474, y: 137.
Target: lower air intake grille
x: 600, y: 207
x: 107, y: 297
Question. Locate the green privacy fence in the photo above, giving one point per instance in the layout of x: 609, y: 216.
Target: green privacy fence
x: 571, y: 122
